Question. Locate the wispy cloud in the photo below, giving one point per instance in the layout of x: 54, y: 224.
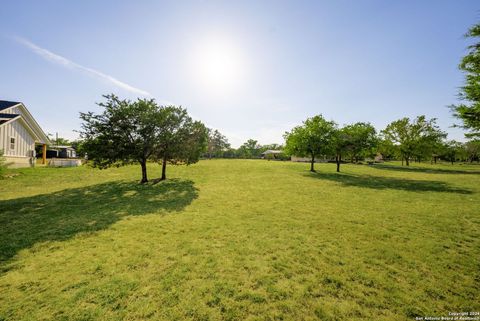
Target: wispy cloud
x: 50, y: 56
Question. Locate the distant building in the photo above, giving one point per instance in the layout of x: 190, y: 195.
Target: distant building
x: 63, y: 156
x: 19, y: 133
x: 271, y: 154
x: 61, y: 152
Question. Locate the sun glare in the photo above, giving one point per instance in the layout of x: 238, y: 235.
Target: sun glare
x: 217, y: 65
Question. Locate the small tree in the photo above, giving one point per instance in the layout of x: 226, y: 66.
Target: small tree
x: 180, y: 139
x: 124, y: 133
x: 312, y: 139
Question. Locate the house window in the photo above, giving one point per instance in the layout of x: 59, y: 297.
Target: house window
x: 12, y: 143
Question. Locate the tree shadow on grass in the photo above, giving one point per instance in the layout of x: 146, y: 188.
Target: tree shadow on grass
x: 378, y: 182
x: 424, y: 169
x: 61, y: 215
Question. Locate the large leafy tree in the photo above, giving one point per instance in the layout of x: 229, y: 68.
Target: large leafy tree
x: 312, y: 139
x: 217, y: 143
x: 124, y: 133
x: 180, y: 140
x: 430, y: 141
x: 410, y: 136
x: 362, y: 138
x: 469, y: 111
x: 129, y: 132
x: 249, y: 149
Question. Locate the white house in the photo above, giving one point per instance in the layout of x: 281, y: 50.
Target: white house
x: 19, y: 133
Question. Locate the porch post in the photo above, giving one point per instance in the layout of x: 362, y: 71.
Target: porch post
x: 44, y: 154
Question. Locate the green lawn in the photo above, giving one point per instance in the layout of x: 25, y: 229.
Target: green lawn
x: 240, y: 240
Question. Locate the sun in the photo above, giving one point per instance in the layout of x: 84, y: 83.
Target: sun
x: 217, y: 64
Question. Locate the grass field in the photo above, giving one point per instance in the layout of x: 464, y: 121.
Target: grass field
x: 240, y: 240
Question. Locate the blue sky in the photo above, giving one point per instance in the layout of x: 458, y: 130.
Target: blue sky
x: 252, y: 69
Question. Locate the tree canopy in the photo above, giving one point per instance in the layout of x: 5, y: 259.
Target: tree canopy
x: 410, y: 137
x: 180, y: 140
x: 249, y: 149
x: 312, y: 139
x: 362, y: 138
x: 129, y: 132
x: 469, y: 111
x: 217, y: 143
x: 472, y: 150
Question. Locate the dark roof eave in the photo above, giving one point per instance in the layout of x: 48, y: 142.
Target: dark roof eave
x: 5, y: 104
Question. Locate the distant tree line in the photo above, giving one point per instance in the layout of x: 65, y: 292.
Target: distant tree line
x: 406, y: 140
x: 219, y: 147
x: 139, y: 132
x: 419, y: 139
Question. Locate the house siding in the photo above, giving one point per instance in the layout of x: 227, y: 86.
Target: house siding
x: 26, y: 132
x: 24, y: 142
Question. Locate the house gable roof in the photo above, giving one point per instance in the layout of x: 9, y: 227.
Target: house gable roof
x: 271, y: 151
x: 25, y: 117
x: 5, y: 104
x: 8, y: 116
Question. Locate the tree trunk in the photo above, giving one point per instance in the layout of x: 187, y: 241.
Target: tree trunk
x: 164, y: 168
x: 407, y: 161
x: 338, y: 159
x: 312, y: 168
x: 402, y: 160
x: 144, y: 180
